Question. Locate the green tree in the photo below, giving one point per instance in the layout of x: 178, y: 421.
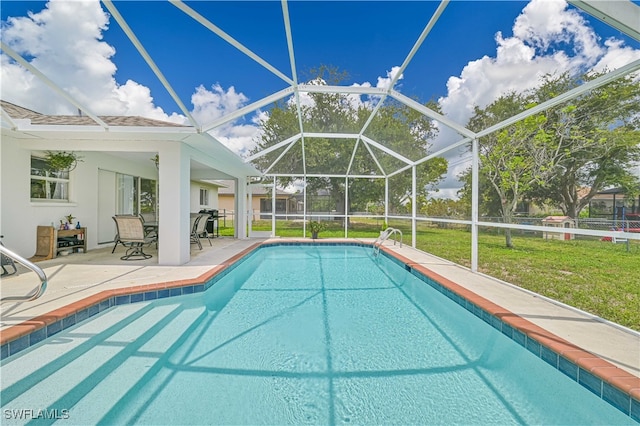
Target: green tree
x: 406, y: 132
x: 396, y: 126
x: 514, y: 158
x: 445, y: 207
x: 594, y: 139
x: 488, y: 203
x: 589, y: 142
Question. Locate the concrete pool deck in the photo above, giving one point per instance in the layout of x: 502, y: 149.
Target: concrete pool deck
x: 76, y: 278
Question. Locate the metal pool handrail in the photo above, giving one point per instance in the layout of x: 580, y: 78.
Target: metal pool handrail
x: 384, y: 235
x: 39, y: 272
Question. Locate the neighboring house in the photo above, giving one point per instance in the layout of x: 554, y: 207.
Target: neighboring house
x: 261, y: 202
x: 117, y: 174
x: 528, y: 208
x: 613, y: 203
x: 607, y: 204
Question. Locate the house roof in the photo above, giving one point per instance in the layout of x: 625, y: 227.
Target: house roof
x: 613, y: 191
x: 82, y: 133
x: 17, y: 112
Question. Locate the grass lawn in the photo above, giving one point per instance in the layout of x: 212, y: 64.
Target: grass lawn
x: 598, y: 277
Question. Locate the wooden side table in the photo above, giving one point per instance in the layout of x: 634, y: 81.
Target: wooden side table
x: 77, y: 239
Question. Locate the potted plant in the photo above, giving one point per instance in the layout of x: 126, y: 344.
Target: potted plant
x: 61, y: 160
x: 70, y: 218
x: 315, y: 228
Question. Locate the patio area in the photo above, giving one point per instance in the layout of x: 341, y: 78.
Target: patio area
x: 79, y: 276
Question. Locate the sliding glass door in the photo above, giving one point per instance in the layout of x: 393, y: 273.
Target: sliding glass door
x: 136, y: 195
x: 148, y: 200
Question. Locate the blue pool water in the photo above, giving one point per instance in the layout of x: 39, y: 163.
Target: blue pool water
x: 294, y: 335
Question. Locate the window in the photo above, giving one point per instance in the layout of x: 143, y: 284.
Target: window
x: 47, y: 184
x: 136, y: 195
x: 148, y: 199
x: 204, y: 197
x: 265, y: 205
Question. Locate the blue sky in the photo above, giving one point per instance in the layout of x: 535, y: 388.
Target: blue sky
x: 477, y: 50
x: 364, y: 38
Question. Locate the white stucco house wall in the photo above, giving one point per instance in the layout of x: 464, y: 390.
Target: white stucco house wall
x: 204, y: 195
x: 116, y: 152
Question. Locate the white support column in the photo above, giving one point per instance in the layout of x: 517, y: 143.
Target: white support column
x: 386, y: 200
x: 174, y: 201
x: 475, y: 177
x: 304, y: 207
x: 250, y: 213
x: 273, y: 208
x: 346, y: 206
x: 241, y: 208
x: 414, y: 207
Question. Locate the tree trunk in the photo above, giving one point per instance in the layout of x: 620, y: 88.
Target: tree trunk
x: 507, y: 215
x: 570, y: 196
x: 507, y: 237
x: 338, y: 193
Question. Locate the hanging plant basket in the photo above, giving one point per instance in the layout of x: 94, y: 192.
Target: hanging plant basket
x: 62, y: 161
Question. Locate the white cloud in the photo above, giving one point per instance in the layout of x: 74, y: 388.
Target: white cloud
x: 304, y: 98
x: 385, y: 82
x: 616, y: 55
x: 239, y: 137
x: 536, y: 48
x: 135, y: 99
x: 64, y: 42
x: 355, y: 100
x: 211, y: 104
x: 544, y: 24
x: 539, y: 32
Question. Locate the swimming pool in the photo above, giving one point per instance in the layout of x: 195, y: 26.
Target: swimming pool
x: 302, y: 335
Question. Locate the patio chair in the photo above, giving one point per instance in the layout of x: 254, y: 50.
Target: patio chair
x: 201, y: 228
x: 7, y: 261
x: 116, y: 238
x: 150, y: 231
x: 196, y: 231
x: 150, y: 228
x: 131, y: 235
